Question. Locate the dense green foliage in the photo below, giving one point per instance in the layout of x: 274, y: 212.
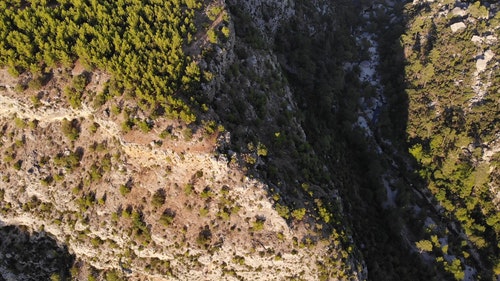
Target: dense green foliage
x: 140, y: 43
x: 451, y: 126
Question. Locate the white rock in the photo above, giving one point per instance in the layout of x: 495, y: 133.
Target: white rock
x: 482, y: 62
x: 457, y: 26
x: 459, y: 12
x: 416, y: 2
x: 477, y: 39
x: 491, y: 39
x: 489, y: 55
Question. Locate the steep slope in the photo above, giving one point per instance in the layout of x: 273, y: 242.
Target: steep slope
x: 96, y: 156
x: 452, y: 84
x: 150, y: 207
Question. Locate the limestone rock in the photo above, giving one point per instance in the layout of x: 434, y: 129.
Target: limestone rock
x: 457, y: 11
x: 457, y: 26
x: 483, y: 60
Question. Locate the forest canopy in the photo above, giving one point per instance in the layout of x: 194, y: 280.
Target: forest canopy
x: 139, y: 42
x: 453, y: 123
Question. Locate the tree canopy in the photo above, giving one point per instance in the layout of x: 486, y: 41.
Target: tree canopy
x: 139, y: 42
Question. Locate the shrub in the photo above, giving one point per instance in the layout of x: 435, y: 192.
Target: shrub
x: 225, y: 30
x: 74, y: 97
x: 159, y: 198
x: 258, y: 225
x: 125, y: 189
x: 203, y: 211
x: 35, y: 100
x: 48, y: 180
x: 167, y: 217
x: 112, y: 276
x: 35, y: 83
x: 187, y: 134
x: 93, y: 128
x: 55, y: 277
x: 18, y: 164
x: 80, y: 82
x: 96, y: 242
x: 299, y: 214
x: 239, y: 260
x: 205, y: 236
x: 283, y: 211
x: 144, y: 126
x: 207, y: 193
x: 71, y: 129
x: 212, y: 36
x: 20, y: 124
x: 188, y: 188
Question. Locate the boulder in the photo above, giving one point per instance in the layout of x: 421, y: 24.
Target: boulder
x: 483, y: 60
x: 457, y: 26
x: 477, y: 39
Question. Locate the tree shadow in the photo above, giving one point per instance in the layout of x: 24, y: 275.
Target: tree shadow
x: 29, y: 255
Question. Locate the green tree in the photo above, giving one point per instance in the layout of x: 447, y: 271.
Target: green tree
x: 424, y: 245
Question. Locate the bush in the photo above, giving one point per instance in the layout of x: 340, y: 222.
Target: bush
x: 74, y: 97
x: 159, y: 198
x: 225, y: 30
x: 93, y: 128
x: 18, y: 164
x: 71, y: 129
x: 212, y: 36
x: 113, y: 276
x: 20, y: 124
x: 205, y: 236
x: 35, y: 83
x: 187, y: 134
x: 80, y: 82
x: 125, y: 189
x: 188, y: 189
x: 299, y: 214
x: 144, y: 126
x: 167, y: 217
x: 258, y: 225
x: 283, y: 211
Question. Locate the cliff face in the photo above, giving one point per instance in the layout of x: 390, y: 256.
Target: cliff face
x: 168, y: 201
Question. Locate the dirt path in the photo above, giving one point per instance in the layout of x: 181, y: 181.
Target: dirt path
x: 201, y: 38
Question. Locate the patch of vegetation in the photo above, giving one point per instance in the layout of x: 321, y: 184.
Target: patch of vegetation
x: 71, y: 129
x: 116, y: 45
x: 204, y: 236
x: 447, y: 131
x: 167, y: 217
x: 159, y: 198
x: 125, y: 189
x: 258, y: 224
